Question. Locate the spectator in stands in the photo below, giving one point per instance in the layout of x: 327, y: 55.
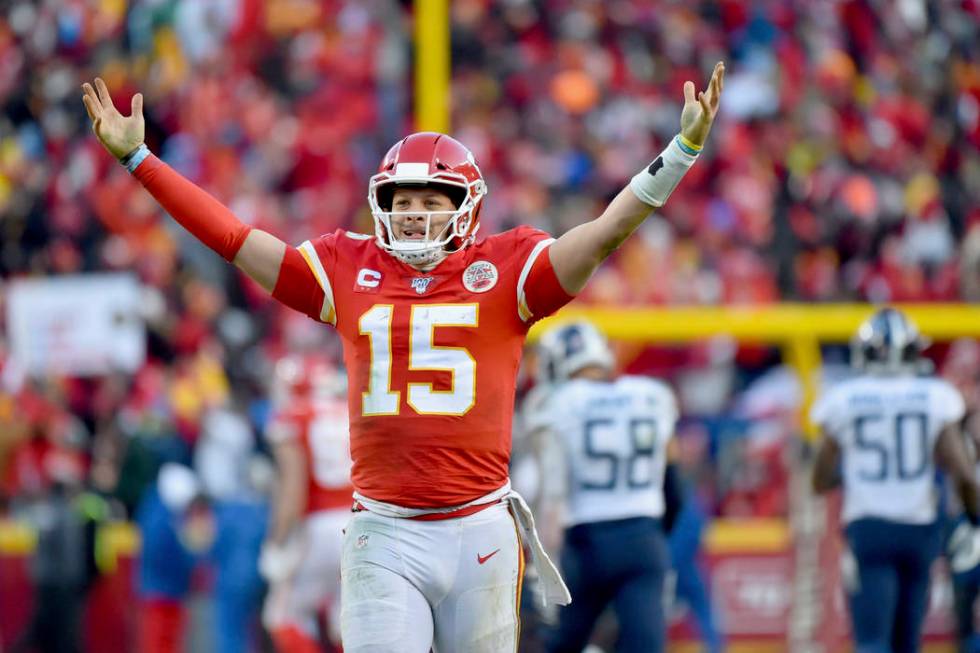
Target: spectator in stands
x: 64, y: 562
x: 239, y: 482
x: 684, y: 541
x: 176, y: 530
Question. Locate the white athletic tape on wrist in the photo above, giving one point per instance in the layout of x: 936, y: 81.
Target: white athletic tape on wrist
x: 132, y: 160
x: 655, y: 184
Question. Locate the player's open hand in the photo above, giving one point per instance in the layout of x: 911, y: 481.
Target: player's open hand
x: 699, y: 112
x: 118, y: 133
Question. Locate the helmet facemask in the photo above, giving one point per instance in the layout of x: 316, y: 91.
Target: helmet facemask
x: 459, y: 231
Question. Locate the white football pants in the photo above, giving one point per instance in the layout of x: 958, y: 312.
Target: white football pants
x: 452, y: 585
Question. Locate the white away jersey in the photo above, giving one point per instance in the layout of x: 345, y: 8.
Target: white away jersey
x: 887, y: 430
x: 614, y: 436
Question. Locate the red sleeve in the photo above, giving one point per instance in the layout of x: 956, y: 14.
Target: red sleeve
x: 319, y: 257
x: 206, y: 218
x: 297, y: 286
x: 542, y: 291
x: 539, y: 294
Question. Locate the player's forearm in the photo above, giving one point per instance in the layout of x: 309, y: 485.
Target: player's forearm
x: 290, y: 502
x: 576, y: 255
x: 673, y: 495
x: 826, y: 469
x: 969, y: 494
x: 579, y: 252
x: 285, y: 517
x: 825, y: 480
x: 202, y: 215
x: 257, y: 253
x: 952, y: 456
x: 826, y: 477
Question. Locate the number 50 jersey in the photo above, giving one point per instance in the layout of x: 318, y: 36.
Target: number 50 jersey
x: 887, y: 429
x: 614, y: 436
x: 432, y: 358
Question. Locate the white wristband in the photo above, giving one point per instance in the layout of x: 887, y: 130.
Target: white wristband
x: 132, y: 160
x: 655, y: 184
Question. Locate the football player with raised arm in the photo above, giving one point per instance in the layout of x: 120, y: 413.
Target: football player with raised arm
x: 301, y: 556
x: 884, y: 433
x: 606, y: 439
x: 432, y: 321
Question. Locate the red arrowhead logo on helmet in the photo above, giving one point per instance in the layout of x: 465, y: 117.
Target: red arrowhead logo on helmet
x: 420, y: 160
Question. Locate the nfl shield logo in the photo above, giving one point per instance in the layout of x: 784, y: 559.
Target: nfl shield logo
x: 421, y: 284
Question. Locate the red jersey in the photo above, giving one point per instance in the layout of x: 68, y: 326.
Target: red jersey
x: 432, y: 358
x: 320, y: 428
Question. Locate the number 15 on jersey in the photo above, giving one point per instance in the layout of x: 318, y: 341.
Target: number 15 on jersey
x: 381, y: 398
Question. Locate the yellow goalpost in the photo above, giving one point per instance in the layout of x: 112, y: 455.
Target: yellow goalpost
x: 432, y: 97
x: 798, y: 329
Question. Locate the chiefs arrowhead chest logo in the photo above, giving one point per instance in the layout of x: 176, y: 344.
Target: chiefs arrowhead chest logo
x: 480, y: 276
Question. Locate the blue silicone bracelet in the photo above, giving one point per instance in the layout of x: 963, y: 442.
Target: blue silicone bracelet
x: 686, y: 148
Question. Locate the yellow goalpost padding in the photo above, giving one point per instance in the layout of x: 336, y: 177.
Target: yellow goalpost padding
x: 432, y: 65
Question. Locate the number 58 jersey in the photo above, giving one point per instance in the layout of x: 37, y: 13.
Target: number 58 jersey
x: 432, y: 358
x: 614, y: 436
x: 887, y: 428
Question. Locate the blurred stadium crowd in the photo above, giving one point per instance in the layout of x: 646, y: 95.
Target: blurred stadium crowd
x: 846, y: 166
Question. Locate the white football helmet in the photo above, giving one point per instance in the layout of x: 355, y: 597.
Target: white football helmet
x: 888, y: 343
x: 566, y: 349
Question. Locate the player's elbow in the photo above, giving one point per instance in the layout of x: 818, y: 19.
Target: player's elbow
x: 573, y: 280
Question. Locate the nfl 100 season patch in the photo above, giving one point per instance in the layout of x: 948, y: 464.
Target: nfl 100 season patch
x: 421, y: 284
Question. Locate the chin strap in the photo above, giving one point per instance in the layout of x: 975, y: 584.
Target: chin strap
x: 423, y: 257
